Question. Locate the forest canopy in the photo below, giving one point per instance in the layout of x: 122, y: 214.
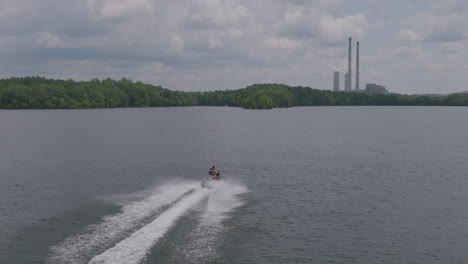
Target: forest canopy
x: 42, y: 93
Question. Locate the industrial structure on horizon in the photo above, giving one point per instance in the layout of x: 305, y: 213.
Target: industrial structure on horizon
x: 348, y: 74
x: 371, y: 88
x: 357, y: 66
x: 336, y: 81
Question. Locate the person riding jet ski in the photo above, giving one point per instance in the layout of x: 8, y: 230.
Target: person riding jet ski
x: 215, y: 175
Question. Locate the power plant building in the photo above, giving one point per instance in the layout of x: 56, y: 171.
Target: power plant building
x: 347, y: 82
x: 372, y: 88
x: 336, y: 81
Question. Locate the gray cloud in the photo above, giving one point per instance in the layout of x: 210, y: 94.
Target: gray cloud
x: 450, y: 7
x: 214, y: 44
x: 445, y: 28
x: 449, y: 35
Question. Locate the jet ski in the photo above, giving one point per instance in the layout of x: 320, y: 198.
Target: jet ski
x: 209, y: 182
x: 215, y: 175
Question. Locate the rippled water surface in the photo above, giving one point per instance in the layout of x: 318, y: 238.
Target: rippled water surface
x: 299, y: 185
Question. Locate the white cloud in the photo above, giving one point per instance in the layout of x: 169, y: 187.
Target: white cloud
x: 444, y: 28
x: 446, y: 21
x: 177, y: 42
x: 217, y: 13
x: 294, y: 15
x: 338, y: 29
x: 452, y: 47
x: 282, y: 43
x: 215, y: 43
x: 235, y: 32
x: 406, y: 36
x: 450, y: 7
x: 119, y: 8
x: 7, y: 10
x: 211, y: 44
x: 408, y: 52
x: 50, y: 40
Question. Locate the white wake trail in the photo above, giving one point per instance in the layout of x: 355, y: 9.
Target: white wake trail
x: 81, y: 247
x: 135, y: 248
x: 204, y: 239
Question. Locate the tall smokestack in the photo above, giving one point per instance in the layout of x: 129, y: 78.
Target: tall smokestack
x: 349, y: 64
x: 357, y: 66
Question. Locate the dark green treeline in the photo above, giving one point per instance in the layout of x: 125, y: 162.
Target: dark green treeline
x: 42, y: 93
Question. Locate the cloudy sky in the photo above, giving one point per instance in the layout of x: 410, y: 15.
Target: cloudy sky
x: 411, y: 46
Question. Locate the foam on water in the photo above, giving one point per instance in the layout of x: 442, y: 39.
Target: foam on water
x: 96, y: 238
x: 129, y: 236
x: 135, y: 248
x: 203, y: 240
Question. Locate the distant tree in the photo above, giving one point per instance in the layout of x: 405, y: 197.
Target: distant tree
x: 39, y: 92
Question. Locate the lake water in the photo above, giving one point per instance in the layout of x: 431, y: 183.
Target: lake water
x: 299, y: 185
